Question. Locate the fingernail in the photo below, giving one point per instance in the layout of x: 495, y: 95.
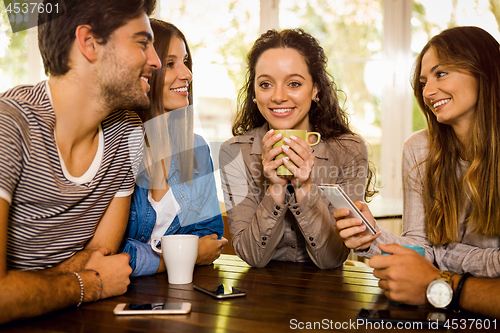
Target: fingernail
x: 278, y: 135
x: 293, y: 137
x: 287, y: 140
x: 285, y: 159
x: 271, y: 131
x: 285, y: 147
x: 362, y: 227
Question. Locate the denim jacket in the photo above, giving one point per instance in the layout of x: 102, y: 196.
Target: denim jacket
x: 199, y: 214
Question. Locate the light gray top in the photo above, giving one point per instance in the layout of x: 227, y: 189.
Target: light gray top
x: 477, y: 254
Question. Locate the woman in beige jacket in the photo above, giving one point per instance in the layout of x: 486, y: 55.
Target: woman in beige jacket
x: 271, y: 217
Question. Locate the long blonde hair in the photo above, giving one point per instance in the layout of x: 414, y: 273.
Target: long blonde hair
x: 170, y: 135
x: 476, y: 51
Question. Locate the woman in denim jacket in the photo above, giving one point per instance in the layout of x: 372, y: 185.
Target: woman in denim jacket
x: 175, y: 189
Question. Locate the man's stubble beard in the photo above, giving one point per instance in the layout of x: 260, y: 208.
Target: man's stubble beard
x: 119, y: 87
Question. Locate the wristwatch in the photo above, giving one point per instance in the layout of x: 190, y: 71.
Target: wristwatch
x: 439, y: 292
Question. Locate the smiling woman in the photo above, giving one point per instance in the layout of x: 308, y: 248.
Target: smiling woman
x: 284, y: 89
x: 271, y: 217
x: 175, y: 188
x: 175, y: 90
x: 451, y: 174
x: 451, y: 93
x: 462, y: 132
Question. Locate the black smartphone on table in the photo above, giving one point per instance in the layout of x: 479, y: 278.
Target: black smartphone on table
x: 220, y: 291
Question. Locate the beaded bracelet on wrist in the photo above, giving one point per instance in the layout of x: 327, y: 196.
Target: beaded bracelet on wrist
x: 81, y: 287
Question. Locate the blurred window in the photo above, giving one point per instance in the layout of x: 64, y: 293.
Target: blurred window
x: 13, y: 53
x: 360, y: 38
x: 219, y: 34
x: 351, y: 34
x: 429, y: 17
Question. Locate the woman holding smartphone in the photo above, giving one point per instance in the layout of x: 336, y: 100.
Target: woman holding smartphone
x: 271, y: 217
x: 451, y: 174
x: 175, y: 188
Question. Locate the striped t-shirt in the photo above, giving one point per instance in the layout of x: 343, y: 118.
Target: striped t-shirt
x: 52, y: 217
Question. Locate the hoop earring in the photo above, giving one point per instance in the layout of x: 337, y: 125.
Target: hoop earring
x: 316, y: 99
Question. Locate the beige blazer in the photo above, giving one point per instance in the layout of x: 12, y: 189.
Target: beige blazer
x: 263, y: 230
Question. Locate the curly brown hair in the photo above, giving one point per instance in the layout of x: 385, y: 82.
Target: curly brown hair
x: 325, y: 116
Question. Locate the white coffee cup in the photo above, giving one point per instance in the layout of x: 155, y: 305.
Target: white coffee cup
x: 179, y: 253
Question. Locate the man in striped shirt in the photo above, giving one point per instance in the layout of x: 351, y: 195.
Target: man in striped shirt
x: 68, y: 150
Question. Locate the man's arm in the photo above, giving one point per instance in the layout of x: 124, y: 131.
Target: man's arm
x: 405, y: 275
x: 480, y: 295
x: 111, y: 229
x: 108, y: 235
x: 28, y: 294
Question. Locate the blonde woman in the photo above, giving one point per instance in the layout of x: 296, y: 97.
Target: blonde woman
x: 451, y: 172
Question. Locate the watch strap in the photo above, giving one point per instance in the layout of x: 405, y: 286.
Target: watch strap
x: 446, y: 276
x: 455, y: 302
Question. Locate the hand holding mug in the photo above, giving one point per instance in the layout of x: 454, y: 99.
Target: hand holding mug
x: 298, y: 159
x: 270, y: 165
x: 270, y: 151
x: 301, y: 155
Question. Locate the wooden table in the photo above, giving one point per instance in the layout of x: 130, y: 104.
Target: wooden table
x: 279, y: 297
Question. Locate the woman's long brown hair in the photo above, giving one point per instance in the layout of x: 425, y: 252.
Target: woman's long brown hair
x: 474, y: 50
x: 325, y: 116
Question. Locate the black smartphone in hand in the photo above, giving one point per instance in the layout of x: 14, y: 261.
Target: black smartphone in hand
x: 340, y: 200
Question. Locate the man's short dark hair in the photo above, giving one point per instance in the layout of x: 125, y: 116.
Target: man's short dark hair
x: 56, y: 34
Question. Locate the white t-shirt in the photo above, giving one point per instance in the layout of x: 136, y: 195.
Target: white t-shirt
x: 166, y: 210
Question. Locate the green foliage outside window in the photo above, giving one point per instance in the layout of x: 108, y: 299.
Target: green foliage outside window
x: 13, y: 53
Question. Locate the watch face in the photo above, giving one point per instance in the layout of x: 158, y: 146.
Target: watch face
x: 439, y: 293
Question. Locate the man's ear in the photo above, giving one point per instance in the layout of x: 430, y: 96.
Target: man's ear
x: 86, y: 41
